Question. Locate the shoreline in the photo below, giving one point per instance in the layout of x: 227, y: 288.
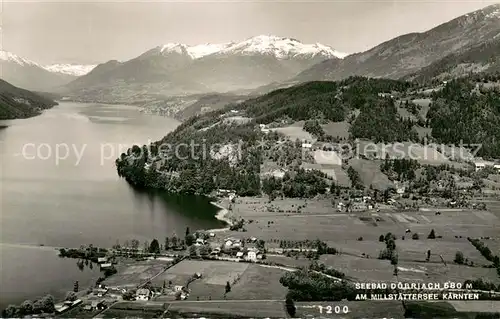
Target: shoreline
x: 223, y: 216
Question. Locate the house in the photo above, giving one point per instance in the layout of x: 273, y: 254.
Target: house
x: 479, y: 166
x: 483, y: 164
x: 143, y: 294
x: 252, y: 256
x: 106, y: 265
x: 263, y: 128
x: 99, y: 292
x: 225, y: 192
x: 200, y: 241
x: 239, y: 254
x: 102, y: 260
x: 497, y: 167
x: 306, y: 145
x: 178, y: 288
x: 228, y: 243
x: 97, y: 305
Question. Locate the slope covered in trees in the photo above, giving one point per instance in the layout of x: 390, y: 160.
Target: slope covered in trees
x: 463, y: 111
x: 18, y: 103
x: 225, y: 148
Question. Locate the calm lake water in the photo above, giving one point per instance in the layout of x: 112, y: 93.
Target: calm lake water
x: 59, y: 187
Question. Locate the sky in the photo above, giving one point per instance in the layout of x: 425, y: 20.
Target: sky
x: 95, y: 32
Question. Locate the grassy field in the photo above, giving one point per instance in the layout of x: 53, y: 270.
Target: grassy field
x: 362, y: 269
x: 232, y: 309
x: 340, y: 129
x: 251, y: 284
x: 371, y: 174
x: 359, y: 309
x: 295, y: 131
x: 130, y: 275
x: 215, y: 274
x: 134, y: 310
x: 415, y: 250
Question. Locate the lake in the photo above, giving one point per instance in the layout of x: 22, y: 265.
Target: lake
x: 59, y: 188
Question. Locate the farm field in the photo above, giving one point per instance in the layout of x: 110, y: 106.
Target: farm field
x: 371, y: 174
x: 478, y: 306
x: 136, y: 273
x: 288, y: 261
x: 294, y: 132
x: 415, y: 250
x: 133, y: 310
x: 259, y: 283
x: 362, y: 269
x: 215, y: 274
x: 340, y: 129
x: 356, y: 309
x: 230, y: 308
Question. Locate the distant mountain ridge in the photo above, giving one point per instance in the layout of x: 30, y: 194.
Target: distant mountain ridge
x: 175, y: 68
x: 409, y: 53
x: 28, y: 74
x: 18, y: 103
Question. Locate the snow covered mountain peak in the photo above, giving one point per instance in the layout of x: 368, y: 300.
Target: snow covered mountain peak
x: 11, y: 57
x: 174, y: 47
x: 280, y: 47
x: 70, y: 69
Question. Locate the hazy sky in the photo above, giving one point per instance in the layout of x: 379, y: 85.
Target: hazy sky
x: 92, y: 32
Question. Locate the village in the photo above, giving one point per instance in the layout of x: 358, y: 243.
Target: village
x: 264, y: 240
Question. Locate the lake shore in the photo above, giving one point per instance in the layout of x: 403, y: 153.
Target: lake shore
x: 223, y: 215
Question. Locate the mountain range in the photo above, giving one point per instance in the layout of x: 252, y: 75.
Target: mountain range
x: 262, y: 63
x: 411, y: 52
x: 175, y: 68
x: 28, y: 74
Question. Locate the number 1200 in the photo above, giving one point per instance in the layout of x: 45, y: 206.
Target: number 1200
x: 330, y: 309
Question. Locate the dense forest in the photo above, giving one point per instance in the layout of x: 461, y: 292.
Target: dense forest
x: 465, y: 112
x: 16, y: 103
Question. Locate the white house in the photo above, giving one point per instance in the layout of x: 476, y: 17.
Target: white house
x: 306, y: 145
x: 483, y: 164
x: 497, y: 167
x: 178, y: 288
x: 479, y: 166
x: 239, y: 254
x: 143, y: 294
x: 107, y: 265
x: 102, y: 260
x: 228, y: 244
x: 200, y: 241
x: 252, y: 255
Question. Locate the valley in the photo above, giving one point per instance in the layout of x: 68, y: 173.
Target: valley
x: 264, y: 177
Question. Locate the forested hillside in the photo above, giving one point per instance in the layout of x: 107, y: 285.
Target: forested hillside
x: 466, y: 111
x: 239, y: 147
x: 17, y: 103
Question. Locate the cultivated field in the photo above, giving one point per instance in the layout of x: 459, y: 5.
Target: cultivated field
x: 294, y: 132
x: 232, y: 309
x: 340, y: 129
x: 259, y: 283
x: 131, y: 275
x: 327, y: 157
x: 371, y: 174
x: 215, y: 274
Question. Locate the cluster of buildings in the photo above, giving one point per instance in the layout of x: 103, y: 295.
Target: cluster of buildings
x: 480, y: 165
x: 235, y: 246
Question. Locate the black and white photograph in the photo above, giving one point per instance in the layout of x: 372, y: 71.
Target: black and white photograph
x: 237, y: 159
